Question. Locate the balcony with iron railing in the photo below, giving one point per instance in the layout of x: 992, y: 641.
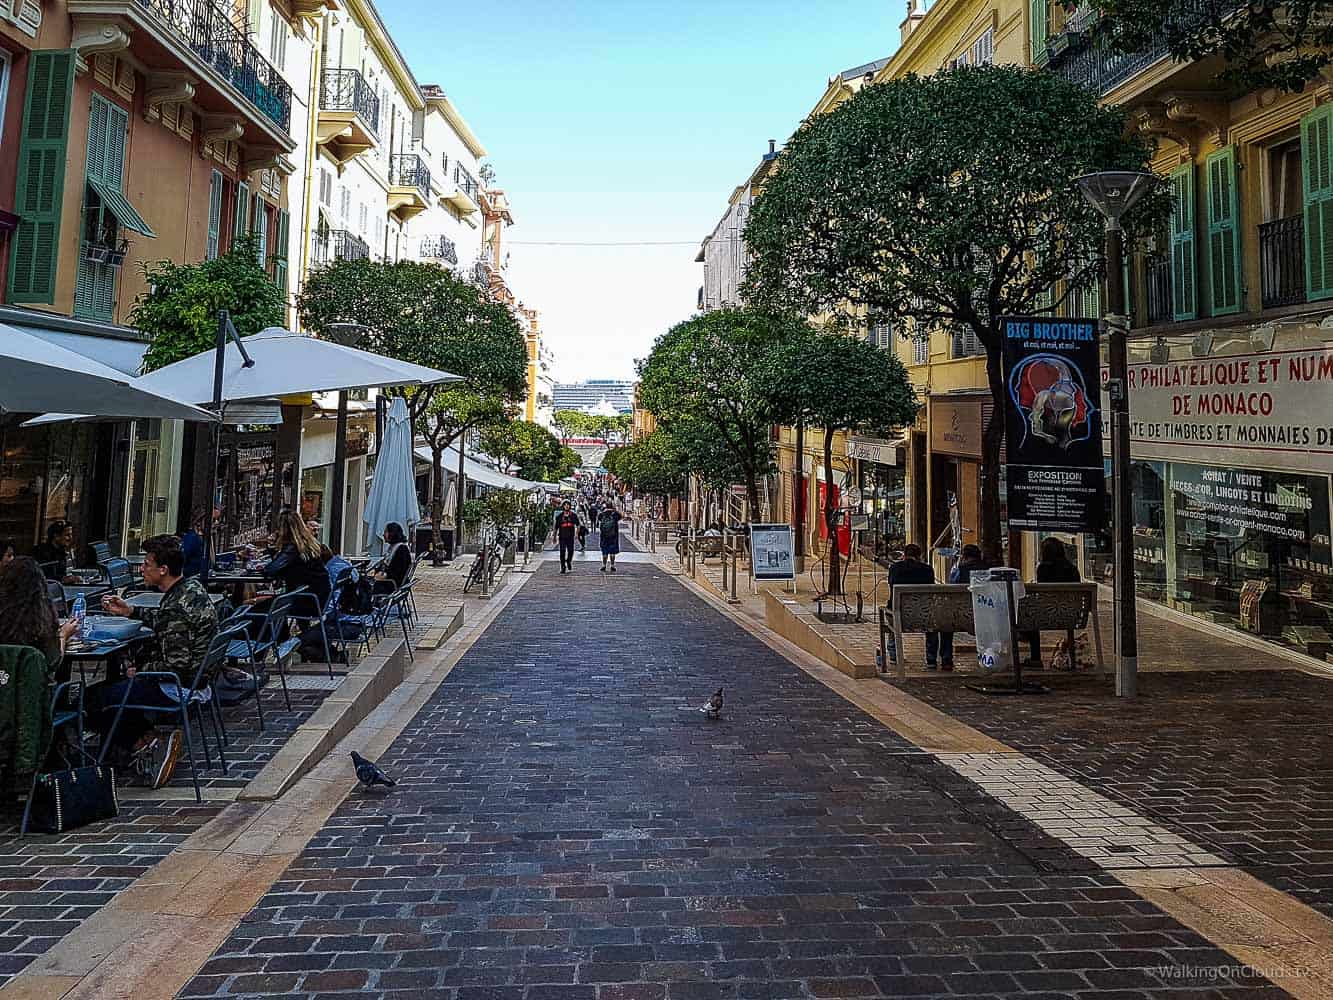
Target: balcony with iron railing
x: 197, y: 41
x: 1282, y: 262
x: 409, y: 185
x: 339, y: 244
x: 349, y: 114
x: 439, y: 248
x: 1081, y: 56
x: 464, y: 194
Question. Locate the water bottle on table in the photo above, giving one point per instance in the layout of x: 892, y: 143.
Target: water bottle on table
x: 80, y: 613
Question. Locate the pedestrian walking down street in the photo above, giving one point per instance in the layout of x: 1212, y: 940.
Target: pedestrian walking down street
x: 608, y: 533
x: 583, y: 538
x: 567, y: 525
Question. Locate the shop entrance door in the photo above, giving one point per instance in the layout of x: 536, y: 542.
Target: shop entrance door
x: 943, y: 483
x: 139, y: 511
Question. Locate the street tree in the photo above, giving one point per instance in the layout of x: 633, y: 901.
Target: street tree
x: 528, y: 450
x: 842, y: 384
x: 702, y: 371
x: 654, y: 466
x: 946, y: 203
x: 179, y: 312
x: 1282, y: 44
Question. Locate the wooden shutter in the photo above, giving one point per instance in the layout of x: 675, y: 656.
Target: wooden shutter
x: 242, y: 210
x: 214, y: 214
x: 1184, y: 283
x: 1039, y: 24
x: 280, y: 250
x: 43, y: 149
x: 1224, y: 264
x: 1317, y: 185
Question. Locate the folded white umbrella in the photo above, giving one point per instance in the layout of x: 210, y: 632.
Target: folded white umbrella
x: 393, y: 491
x: 37, y: 376
x: 285, y: 364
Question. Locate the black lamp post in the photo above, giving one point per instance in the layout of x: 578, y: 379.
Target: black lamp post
x: 1113, y: 193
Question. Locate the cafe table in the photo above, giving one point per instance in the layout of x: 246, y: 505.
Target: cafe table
x: 149, y: 600
x: 91, y: 592
x: 107, y: 651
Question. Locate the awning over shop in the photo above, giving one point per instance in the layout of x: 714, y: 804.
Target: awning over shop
x: 483, y: 474
x: 117, y: 349
x: 118, y: 205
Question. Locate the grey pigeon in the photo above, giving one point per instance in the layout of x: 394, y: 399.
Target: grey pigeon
x: 369, y: 773
x: 713, y: 707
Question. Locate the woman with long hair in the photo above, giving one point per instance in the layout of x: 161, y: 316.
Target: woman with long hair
x: 397, y: 561
x: 29, y: 618
x: 300, y: 559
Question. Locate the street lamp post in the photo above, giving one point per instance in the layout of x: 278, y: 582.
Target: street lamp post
x: 1113, y: 193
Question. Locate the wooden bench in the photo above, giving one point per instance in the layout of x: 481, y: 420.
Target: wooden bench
x: 947, y: 607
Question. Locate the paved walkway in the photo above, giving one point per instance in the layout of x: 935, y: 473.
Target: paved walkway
x: 568, y: 826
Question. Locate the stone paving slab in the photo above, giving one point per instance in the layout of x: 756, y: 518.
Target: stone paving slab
x: 1240, y: 763
x: 568, y: 825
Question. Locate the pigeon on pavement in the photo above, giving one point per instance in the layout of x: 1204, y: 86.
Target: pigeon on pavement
x: 713, y: 707
x: 369, y: 773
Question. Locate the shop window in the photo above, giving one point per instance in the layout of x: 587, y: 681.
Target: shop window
x: 884, y: 502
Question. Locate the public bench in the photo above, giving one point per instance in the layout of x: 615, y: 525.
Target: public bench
x: 947, y: 607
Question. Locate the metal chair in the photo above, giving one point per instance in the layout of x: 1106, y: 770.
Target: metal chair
x: 197, y: 695
x: 55, y: 590
x: 255, y: 649
x: 118, y: 572
x: 306, y: 608
x: 58, y: 718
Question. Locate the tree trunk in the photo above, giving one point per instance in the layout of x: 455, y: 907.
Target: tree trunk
x: 831, y: 515
x: 989, y: 529
x: 437, y: 494
x: 752, y: 489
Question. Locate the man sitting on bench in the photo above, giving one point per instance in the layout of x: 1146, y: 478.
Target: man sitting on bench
x: 910, y: 569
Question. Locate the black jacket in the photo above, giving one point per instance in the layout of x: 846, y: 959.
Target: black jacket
x: 1060, y: 571
x: 289, y: 567
x: 566, y: 524
x: 909, y: 571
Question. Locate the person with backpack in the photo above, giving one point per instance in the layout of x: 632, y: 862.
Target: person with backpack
x: 566, y: 526
x: 608, y: 533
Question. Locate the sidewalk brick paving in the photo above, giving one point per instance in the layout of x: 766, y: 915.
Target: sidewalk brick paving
x: 1239, y: 762
x: 567, y: 826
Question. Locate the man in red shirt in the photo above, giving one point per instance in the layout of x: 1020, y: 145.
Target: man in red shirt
x: 566, y: 529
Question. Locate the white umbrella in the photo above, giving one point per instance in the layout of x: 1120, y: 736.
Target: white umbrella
x: 37, y: 376
x: 285, y: 364
x: 393, y: 491
x: 450, y: 504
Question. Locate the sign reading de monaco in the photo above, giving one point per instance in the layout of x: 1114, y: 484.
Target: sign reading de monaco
x: 1235, y: 410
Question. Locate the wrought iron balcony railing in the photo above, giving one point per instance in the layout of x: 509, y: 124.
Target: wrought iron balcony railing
x: 440, y: 248
x: 1160, y: 309
x: 467, y: 183
x: 207, y: 30
x: 1282, y: 261
x: 347, y: 90
x: 410, y: 170
x: 1082, y: 57
x: 339, y: 244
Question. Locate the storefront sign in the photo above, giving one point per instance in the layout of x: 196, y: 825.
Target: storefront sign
x: 955, y: 427
x: 1226, y: 502
x: 877, y: 450
x: 1053, y: 427
x: 1269, y: 409
x: 771, y: 551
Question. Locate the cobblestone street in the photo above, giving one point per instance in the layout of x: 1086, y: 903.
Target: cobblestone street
x: 568, y: 825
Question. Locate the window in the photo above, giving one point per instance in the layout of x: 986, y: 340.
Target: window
x: 1039, y: 27
x: 100, y: 244
x: 325, y: 187
x: 280, y: 250
x: 982, y: 52
x: 965, y: 342
x: 277, y: 39
x: 880, y: 333
x: 345, y: 205
x: 365, y: 217
x: 242, y: 215
x: 4, y: 83
x: 920, y: 348
x: 260, y: 216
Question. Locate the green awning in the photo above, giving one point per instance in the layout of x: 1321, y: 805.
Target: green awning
x: 117, y: 204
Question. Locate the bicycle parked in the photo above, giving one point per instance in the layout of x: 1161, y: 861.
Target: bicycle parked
x: 490, y: 554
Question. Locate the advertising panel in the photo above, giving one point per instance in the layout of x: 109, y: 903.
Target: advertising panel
x: 771, y: 551
x: 1053, y: 423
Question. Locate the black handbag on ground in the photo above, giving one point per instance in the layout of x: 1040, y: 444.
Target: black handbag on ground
x: 67, y: 800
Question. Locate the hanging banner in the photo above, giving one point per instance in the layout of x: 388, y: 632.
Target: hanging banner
x: 771, y: 552
x: 1053, y: 426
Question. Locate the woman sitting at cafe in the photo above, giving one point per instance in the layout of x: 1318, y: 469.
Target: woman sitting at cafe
x: 300, y: 561
x: 397, y: 561
x: 28, y: 618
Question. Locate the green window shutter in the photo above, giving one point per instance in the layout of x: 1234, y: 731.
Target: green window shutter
x: 43, y: 149
x: 259, y: 223
x: 242, y: 210
x: 280, y: 250
x: 1224, y: 264
x: 214, y: 214
x: 1317, y: 182
x: 1184, y: 283
x: 1039, y: 25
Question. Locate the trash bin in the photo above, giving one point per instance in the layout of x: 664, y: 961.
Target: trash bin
x: 993, y: 617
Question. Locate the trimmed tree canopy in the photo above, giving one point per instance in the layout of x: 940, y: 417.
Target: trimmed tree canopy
x: 948, y: 201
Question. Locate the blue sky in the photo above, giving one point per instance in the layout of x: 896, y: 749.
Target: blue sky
x: 624, y: 122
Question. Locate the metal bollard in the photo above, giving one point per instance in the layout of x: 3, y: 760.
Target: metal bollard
x: 734, y: 554
x: 723, y: 560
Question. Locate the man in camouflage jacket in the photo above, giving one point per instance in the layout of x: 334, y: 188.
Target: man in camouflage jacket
x: 183, y: 624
